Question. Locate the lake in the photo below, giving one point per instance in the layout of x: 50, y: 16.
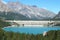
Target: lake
x: 30, y: 30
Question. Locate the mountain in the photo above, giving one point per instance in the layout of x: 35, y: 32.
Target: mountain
x: 9, y: 13
x: 29, y: 12
x: 57, y: 16
x: 32, y: 12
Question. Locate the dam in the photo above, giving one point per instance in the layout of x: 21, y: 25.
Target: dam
x: 29, y: 23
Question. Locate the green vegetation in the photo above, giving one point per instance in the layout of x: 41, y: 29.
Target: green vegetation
x: 4, y: 24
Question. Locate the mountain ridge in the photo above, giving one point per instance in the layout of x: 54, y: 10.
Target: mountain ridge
x: 57, y: 17
x: 29, y: 11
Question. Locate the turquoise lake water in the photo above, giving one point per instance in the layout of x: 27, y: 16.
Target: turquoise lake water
x: 31, y: 30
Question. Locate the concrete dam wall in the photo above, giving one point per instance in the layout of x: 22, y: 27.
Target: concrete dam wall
x: 45, y: 23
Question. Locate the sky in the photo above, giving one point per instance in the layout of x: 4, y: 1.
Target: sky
x: 51, y: 5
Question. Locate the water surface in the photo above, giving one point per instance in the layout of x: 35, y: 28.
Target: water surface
x: 30, y: 30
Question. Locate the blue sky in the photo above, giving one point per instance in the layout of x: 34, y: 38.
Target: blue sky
x: 52, y: 5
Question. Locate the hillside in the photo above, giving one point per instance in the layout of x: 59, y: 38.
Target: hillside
x: 12, y: 16
x: 3, y: 24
